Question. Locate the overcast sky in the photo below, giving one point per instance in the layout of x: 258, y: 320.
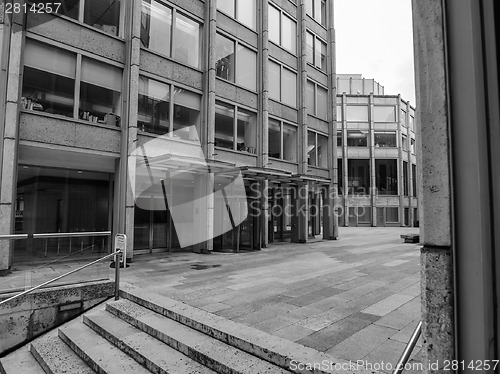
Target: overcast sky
x: 375, y: 38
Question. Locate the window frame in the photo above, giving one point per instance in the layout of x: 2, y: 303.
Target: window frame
x: 315, y: 98
x: 314, y: 63
x: 316, y: 156
x: 282, y: 14
x: 282, y: 67
x: 235, y: 15
x: 315, y: 13
x: 282, y: 124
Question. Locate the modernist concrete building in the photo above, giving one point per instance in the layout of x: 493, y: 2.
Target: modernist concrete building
x: 377, y: 163
x: 86, y: 89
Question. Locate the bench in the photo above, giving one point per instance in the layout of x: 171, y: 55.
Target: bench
x: 411, y: 238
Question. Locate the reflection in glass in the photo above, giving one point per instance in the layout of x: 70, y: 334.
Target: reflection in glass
x: 246, y: 131
x: 246, y: 12
x: 358, y: 176
x: 187, y: 41
x: 386, y: 177
x: 226, y: 6
x: 385, y: 139
x: 274, y: 24
x: 187, y: 107
x: 154, y: 104
x: 289, y: 87
x: 311, y: 148
x: 103, y: 14
x: 384, y: 114
x: 356, y: 113
x: 357, y: 138
x: 322, y: 102
x: 310, y: 47
x: 274, y: 76
x: 274, y: 138
x: 69, y: 8
x: 246, y: 68
x: 100, y: 91
x: 288, y: 34
x: 224, y: 125
x: 156, y: 27
x: 224, y: 57
x: 322, y: 151
x: 289, y: 142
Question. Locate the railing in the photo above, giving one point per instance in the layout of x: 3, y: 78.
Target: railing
x: 61, y: 235
x: 408, y: 349
x: 117, y: 276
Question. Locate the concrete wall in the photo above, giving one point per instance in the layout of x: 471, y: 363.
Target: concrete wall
x: 27, y: 317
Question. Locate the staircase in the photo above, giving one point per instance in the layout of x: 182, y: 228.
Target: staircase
x: 149, y: 333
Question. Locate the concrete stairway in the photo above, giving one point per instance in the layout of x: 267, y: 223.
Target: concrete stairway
x: 143, y: 333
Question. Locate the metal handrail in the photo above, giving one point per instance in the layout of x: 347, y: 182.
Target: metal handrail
x: 14, y: 236
x: 117, y: 277
x: 408, y: 349
x: 71, y: 234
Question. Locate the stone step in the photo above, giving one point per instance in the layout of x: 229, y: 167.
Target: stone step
x: 20, y: 361
x: 278, y: 351
x: 97, y: 352
x: 148, y: 351
x: 55, y: 357
x: 210, y: 352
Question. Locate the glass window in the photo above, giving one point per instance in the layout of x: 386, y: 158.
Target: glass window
x: 386, y: 177
x: 288, y: 34
x: 224, y: 125
x: 289, y: 87
x: 103, y: 14
x: 357, y: 138
x: 246, y: 12
x: 403, y: 118
x: 322, y: 151
x: 340, y: 176
x: 321, y: 102
x: 246, y: 68
x: 412, y: 146
x: 358, y: 176
x: 339, y: 112
x: 100, y: 91
x: 226, y: 6
x: 310, y: 47
x: 392, y: 214
x: 224, y: 57
x: 246, y: 131
x: 405, y: 178
x: 356, y: 113
x: 309, y: 7
x: 274, y: 138
x: 414, y: 180
x: 186, y: 118
x: 320, y: 54
x: 310, y: 98
x: 404, y: 141
x: 289, y: 142
x: 412, y: 123
x: 156, y: 27
x: 364, y: 214
x: 339, y: 138
x: 48, y: 79
x: 385, y: 139
x: 186, y: 41
x: 311, y: 148
x: 384, y: 114
x: 274, y: 24
x: 154, y: 106
x: 274, y: 75
x: 69, y: 8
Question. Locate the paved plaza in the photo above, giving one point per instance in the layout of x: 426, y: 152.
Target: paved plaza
x: 357, y: 298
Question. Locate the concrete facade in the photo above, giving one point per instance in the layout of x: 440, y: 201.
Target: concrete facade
x: 41, y: 139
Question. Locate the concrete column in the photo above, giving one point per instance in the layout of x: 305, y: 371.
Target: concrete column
x: 263, y: 42
x: 436, y: 231
x: 302, y: 86
x: 300, y: 201
x: 330, y: 229
x: 10, y: 139
x: 345, y: 162
x: 400, y: 165
x: 373, y: 175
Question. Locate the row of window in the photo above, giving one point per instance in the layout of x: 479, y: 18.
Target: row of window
x: 386, y: 177
x: 383, y: 139
x: 381, y: 113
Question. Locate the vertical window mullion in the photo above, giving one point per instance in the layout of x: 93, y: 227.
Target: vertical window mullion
x: 316, y: 148
x: 235, y: 128
x: 281, y: 83
x: 171, y: 111
x: 172, y: 31
x: 81, y: 11
x: 235, y: 46
x: 76, y: 103
x: 282, y: 148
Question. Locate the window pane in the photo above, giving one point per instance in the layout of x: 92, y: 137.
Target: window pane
x: 103, y: 14
x: 414, y: 180
x: 386, y: 177
x: 311, y: 148
x: 274, y: 75
x: 405, y: 143
x: 403, y: 118
x: 289, y: 34
x: 385, y: 139
x: 47, y: 92
x: 358, y: 177
x: 224, y: 126
x: 156, y: 27
x: 274, y: 138
x: 187, y: 107
x: 412, y: 146
x: 320, y: 55
x: 154, y: 104
x: 412, y: 123
x: 289, y: 87
x: 384, y: 114
x: 339, y: 113
x: 392, y: 214
x: 310, y: 47
x: 357, y: 138
x: 322, y: 19
x: 340, y: 176
x: 187, y: 41
x: 356, y: 113
x: 322, y: 102
x: 69, y: 8
x: 224, y: 57
x: 247, y: 131
x: 226, y: 6
x: 310, y: 98
x: 246, y: 68
x: 339, y: 138
x: 50, y: 59
x: 100, y: 90
x: 289, y: 142
x: 309, y: 7
x: 406, y: 189
x: 274, y: 25
x: 246, y: 11
x: 322, y: 151
x: 364, y: 214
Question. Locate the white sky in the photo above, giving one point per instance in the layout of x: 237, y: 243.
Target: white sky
x: 375, y: 38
